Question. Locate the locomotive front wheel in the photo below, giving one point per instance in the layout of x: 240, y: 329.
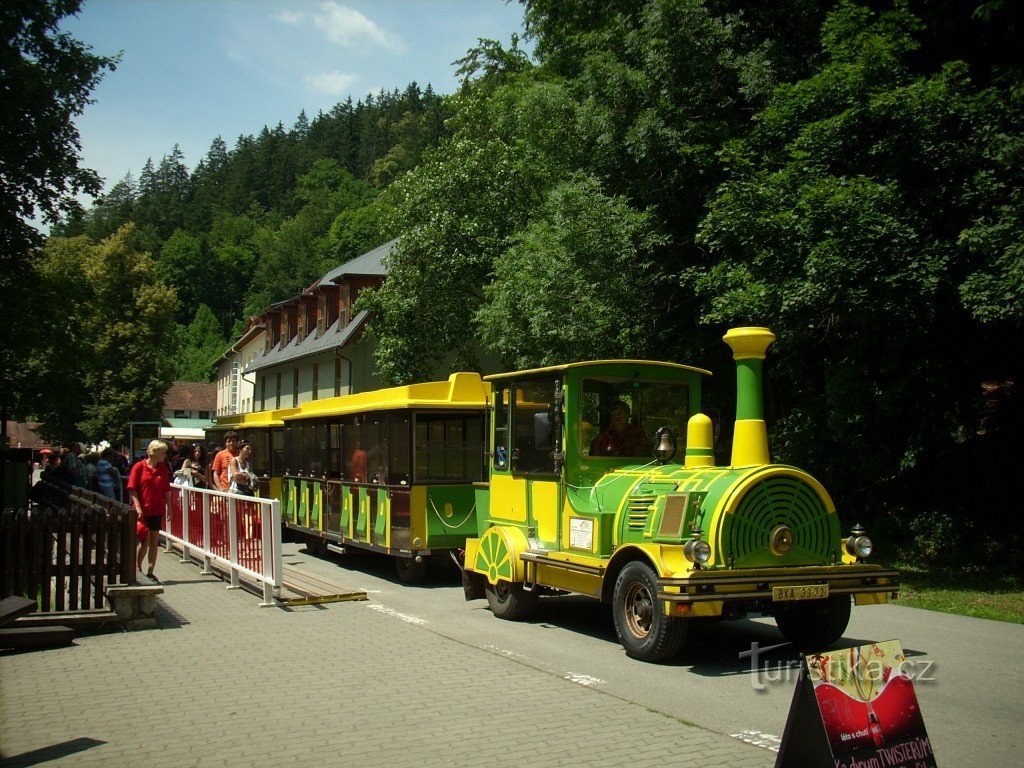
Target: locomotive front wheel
x: 816, y: 624
x: 643, y: 628
x: 409, y: 571
x: 510, y: 601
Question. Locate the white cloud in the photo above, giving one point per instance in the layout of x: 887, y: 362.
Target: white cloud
x: 333, y: 83
x: 350, y: 29
x: 290, y: 18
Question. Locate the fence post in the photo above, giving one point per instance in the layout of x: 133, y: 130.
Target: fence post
x: 270, y: 521
x: 169, y: 518
x: 207, y: 560
x: 131, y: 547
x: 186, y: 507
x: 232, y: 543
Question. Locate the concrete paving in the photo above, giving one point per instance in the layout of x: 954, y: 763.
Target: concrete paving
x: 226, y: 683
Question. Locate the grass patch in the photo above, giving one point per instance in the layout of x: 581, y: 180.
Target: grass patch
x: 967, y: 593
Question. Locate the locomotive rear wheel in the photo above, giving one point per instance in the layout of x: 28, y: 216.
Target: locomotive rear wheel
x: 510, y: 601
x: 816, y: 624
x: 409, y: 571
x: 642, y: 627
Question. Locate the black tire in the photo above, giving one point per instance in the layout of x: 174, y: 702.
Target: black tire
x: 643, y: 629
x: 316, y: 545
x: 409, y: 571
x: 814, y: 625
x: 510, y: 601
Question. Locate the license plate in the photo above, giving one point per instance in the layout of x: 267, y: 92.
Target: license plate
x: 805, y: 592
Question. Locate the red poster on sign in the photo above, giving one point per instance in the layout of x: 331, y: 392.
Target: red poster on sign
x: 856, y: 708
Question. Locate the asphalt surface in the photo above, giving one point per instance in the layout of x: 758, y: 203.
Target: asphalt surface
x: 969, y: 690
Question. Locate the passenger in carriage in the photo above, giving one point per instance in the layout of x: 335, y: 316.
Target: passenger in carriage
x: 355, y: 466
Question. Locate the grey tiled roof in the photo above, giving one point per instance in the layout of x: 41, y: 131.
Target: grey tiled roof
x: 370, y: 263
x: 332, y: 338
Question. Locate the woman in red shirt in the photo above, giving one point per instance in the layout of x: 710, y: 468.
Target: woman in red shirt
x: 149, y: 484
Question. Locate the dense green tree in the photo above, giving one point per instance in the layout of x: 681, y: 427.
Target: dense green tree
x: 291, y: 256
x: 46, y: 77
x: 456, y: 213
x: 197, y: 347
x: 872, y: 219
x: 581, y: 275
x: 184, y: 264
x: 108, y: 361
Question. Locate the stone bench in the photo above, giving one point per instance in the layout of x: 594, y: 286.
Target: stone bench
x: 135, y: 605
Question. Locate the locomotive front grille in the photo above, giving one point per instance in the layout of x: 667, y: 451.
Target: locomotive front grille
x: 639, y: 511
x: 746, y: 535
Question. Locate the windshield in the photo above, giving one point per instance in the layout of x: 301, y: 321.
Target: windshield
x: 620, y: 417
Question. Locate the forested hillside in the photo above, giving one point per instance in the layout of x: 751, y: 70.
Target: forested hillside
x: 255, y: 223
x: 848, y: 173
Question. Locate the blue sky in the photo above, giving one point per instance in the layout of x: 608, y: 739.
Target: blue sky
x: 195, y: 69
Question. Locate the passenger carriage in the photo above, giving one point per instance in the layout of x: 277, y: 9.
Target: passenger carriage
x: 391, y: 471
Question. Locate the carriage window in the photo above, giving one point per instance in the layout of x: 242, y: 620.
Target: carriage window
x: 277, y: 450
x: 620, y: 417
x: 449, y: 447
x: 534, y: 438
x: 303, y: 449
x: 374, y: 433
x: 335, y: 450
x: 398, y: 448
x: 355, y: 454
x: 261, y: 459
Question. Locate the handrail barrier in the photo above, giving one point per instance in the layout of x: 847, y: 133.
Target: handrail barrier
x: 241, y: 534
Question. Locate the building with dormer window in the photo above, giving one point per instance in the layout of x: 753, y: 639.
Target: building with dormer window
x: 307, y: 347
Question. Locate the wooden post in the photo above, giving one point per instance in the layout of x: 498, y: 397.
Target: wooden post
x: 46, y: 565
x: 75, y: 533
x: 63, y: 526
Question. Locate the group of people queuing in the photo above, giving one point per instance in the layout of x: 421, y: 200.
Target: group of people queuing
x: 149, y: 480
x: 102, y: 471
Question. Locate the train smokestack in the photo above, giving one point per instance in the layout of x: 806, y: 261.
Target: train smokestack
x: 750, y: 436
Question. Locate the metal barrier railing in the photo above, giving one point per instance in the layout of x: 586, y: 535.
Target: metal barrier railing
x: 242, y: 534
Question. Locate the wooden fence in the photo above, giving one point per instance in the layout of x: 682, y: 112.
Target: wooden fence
x: 66, y: 549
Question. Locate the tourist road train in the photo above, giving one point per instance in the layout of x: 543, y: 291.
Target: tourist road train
x: 596, y: 478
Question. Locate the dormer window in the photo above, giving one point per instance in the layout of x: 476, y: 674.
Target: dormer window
x: 345, y: 306
x: 321, y: 315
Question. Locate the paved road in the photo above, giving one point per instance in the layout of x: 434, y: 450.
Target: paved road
x: 418, y: 676
x: 970, y: 691
x: 226, y: 683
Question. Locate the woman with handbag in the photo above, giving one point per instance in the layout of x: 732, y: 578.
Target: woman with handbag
x: 240, y: 476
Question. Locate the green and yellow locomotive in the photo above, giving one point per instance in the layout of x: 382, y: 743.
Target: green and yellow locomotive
x: 575, y: 503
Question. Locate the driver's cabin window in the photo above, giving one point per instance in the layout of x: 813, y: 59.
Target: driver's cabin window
x: 535, y: 437
x: 620, y: 418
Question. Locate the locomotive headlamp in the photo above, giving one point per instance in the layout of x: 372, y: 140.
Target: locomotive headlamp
x: 857, y: 544
x: 696, y: 550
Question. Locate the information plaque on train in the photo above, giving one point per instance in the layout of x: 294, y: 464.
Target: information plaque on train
x: 855, y: 708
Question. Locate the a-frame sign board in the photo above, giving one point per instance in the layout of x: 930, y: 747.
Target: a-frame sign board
x: 855, y: 707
